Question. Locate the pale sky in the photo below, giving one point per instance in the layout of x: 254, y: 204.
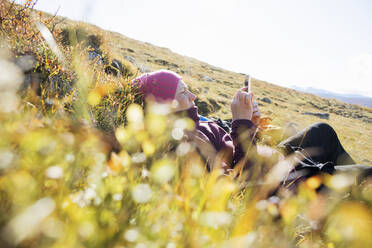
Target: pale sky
x: 319, y: 43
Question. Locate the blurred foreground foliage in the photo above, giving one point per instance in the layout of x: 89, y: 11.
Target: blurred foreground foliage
x: 61, y: 184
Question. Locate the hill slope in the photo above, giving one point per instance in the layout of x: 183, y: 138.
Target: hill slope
x: 215, y: 87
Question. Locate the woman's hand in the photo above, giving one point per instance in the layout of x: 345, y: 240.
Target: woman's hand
x: 256, y: 116
x: 242, y: 105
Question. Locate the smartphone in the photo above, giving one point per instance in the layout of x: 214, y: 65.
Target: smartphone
x: 247, y: 83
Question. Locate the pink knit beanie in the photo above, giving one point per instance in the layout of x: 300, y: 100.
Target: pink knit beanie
x: 160, y: 84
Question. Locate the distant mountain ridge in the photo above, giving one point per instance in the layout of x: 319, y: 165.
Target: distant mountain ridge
x: 348, y: 98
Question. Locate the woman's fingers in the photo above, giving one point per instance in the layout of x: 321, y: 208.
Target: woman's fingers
x: 256, y: 114
x: 245, y: 89
x: 241, y: 105
x: 255, y: 106
x: 245, y: 97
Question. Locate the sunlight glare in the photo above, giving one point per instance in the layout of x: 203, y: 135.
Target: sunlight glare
x: 141, y: 193
x: 28, y: 223
x: 54, y: 172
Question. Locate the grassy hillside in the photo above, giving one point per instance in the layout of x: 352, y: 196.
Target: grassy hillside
x: 215, y: 87
x: 82, y: 164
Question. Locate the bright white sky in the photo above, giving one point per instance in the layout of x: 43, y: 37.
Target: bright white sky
x: 320, y: 43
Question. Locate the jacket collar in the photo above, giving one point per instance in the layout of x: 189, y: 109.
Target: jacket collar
x: 192, y: 113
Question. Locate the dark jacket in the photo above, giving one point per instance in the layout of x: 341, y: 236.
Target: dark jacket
x: 228, y: 148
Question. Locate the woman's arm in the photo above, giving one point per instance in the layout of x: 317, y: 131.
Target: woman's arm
x: 243, y: 130
x: 243, y: 135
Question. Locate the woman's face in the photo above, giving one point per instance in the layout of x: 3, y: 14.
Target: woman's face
x: 184, y: 97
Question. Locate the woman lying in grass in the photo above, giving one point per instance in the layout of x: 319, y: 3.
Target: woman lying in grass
x: 238, y: 148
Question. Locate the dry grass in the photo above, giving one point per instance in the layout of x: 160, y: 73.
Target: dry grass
x: 287, y: 106
x: 61, y: 184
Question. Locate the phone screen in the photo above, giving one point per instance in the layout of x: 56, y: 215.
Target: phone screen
x: 247, y: 83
